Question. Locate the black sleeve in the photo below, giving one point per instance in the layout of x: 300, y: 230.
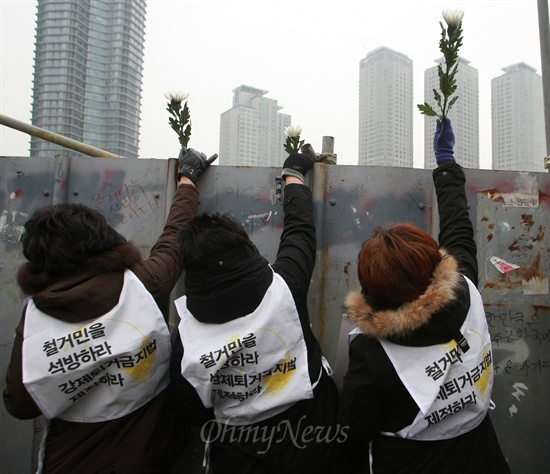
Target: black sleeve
x: 296, y: 255
x: 186, y: 400
x: 456, y: 232
x: 373, y: 399
x: 360, y: 400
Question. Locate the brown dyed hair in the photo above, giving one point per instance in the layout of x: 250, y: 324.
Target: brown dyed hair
x: 396, y: 264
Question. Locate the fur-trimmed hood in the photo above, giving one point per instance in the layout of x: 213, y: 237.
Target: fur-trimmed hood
x: 88, y: 294
x: 410, y: 316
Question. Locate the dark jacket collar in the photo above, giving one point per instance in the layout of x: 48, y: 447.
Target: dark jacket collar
x: 229, y: 286
x: 85, y: 295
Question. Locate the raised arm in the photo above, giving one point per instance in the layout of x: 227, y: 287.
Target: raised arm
x: 456, y: 232
x: 160, y: 272
x: 296, y: 255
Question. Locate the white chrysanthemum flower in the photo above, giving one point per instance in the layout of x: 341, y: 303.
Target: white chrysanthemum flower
x: 176, y: 96
x: 453, y: 17
x: 293, y: 131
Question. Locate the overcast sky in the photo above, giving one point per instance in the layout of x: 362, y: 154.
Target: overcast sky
x: 306, y: 53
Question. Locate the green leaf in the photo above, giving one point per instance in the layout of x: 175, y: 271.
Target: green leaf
x: 445, y: 88
x: 175, y: 125
x: 452, y: 102
x: 440, y: 73
x: 452, y: 74
x: 184, y: 139
x: 288, y: 146
x: 426, y: 109
x: 185, y: 115
x: 443, y: 39
x: 456, y: 35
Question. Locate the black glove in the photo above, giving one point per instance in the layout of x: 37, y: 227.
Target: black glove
x: 297, y: 165
x: 192, y: 163
x: 444, y: 142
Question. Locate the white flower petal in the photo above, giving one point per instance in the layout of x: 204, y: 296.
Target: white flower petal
x: 453, y: 17
x: 293, y: 131
x: 176, y: 96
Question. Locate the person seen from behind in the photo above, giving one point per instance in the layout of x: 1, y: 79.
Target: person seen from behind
x: 418, y: 386
x: 92, y: 349
x: 246, y: 349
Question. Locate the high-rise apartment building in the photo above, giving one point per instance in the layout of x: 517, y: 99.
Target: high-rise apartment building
x: 385, y: 109
x: 464, y: 115
x: 88, y: 74
x: 518, y: 137
x: 252, y: 131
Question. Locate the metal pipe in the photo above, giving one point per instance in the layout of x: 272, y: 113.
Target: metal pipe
x: 327, y: 154
x: 544, y: 33
x: 55, y: 138
x: 328, y: 145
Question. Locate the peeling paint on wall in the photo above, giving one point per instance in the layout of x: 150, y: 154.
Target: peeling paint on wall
x: 12, y: 225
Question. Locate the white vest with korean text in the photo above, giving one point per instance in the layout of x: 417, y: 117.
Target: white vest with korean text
x: 100, y: 369
x: 452, y: 388
x: 250, y: 368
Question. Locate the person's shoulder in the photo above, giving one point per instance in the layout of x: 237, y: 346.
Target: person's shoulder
x: 368, y: 357
x: 365, y: 344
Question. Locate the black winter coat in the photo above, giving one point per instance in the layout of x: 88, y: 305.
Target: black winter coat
x: 216, y: 297
x: 374, y: 399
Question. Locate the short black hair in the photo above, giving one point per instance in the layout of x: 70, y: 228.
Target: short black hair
x: 58, y: 239
x: 209, y: 235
